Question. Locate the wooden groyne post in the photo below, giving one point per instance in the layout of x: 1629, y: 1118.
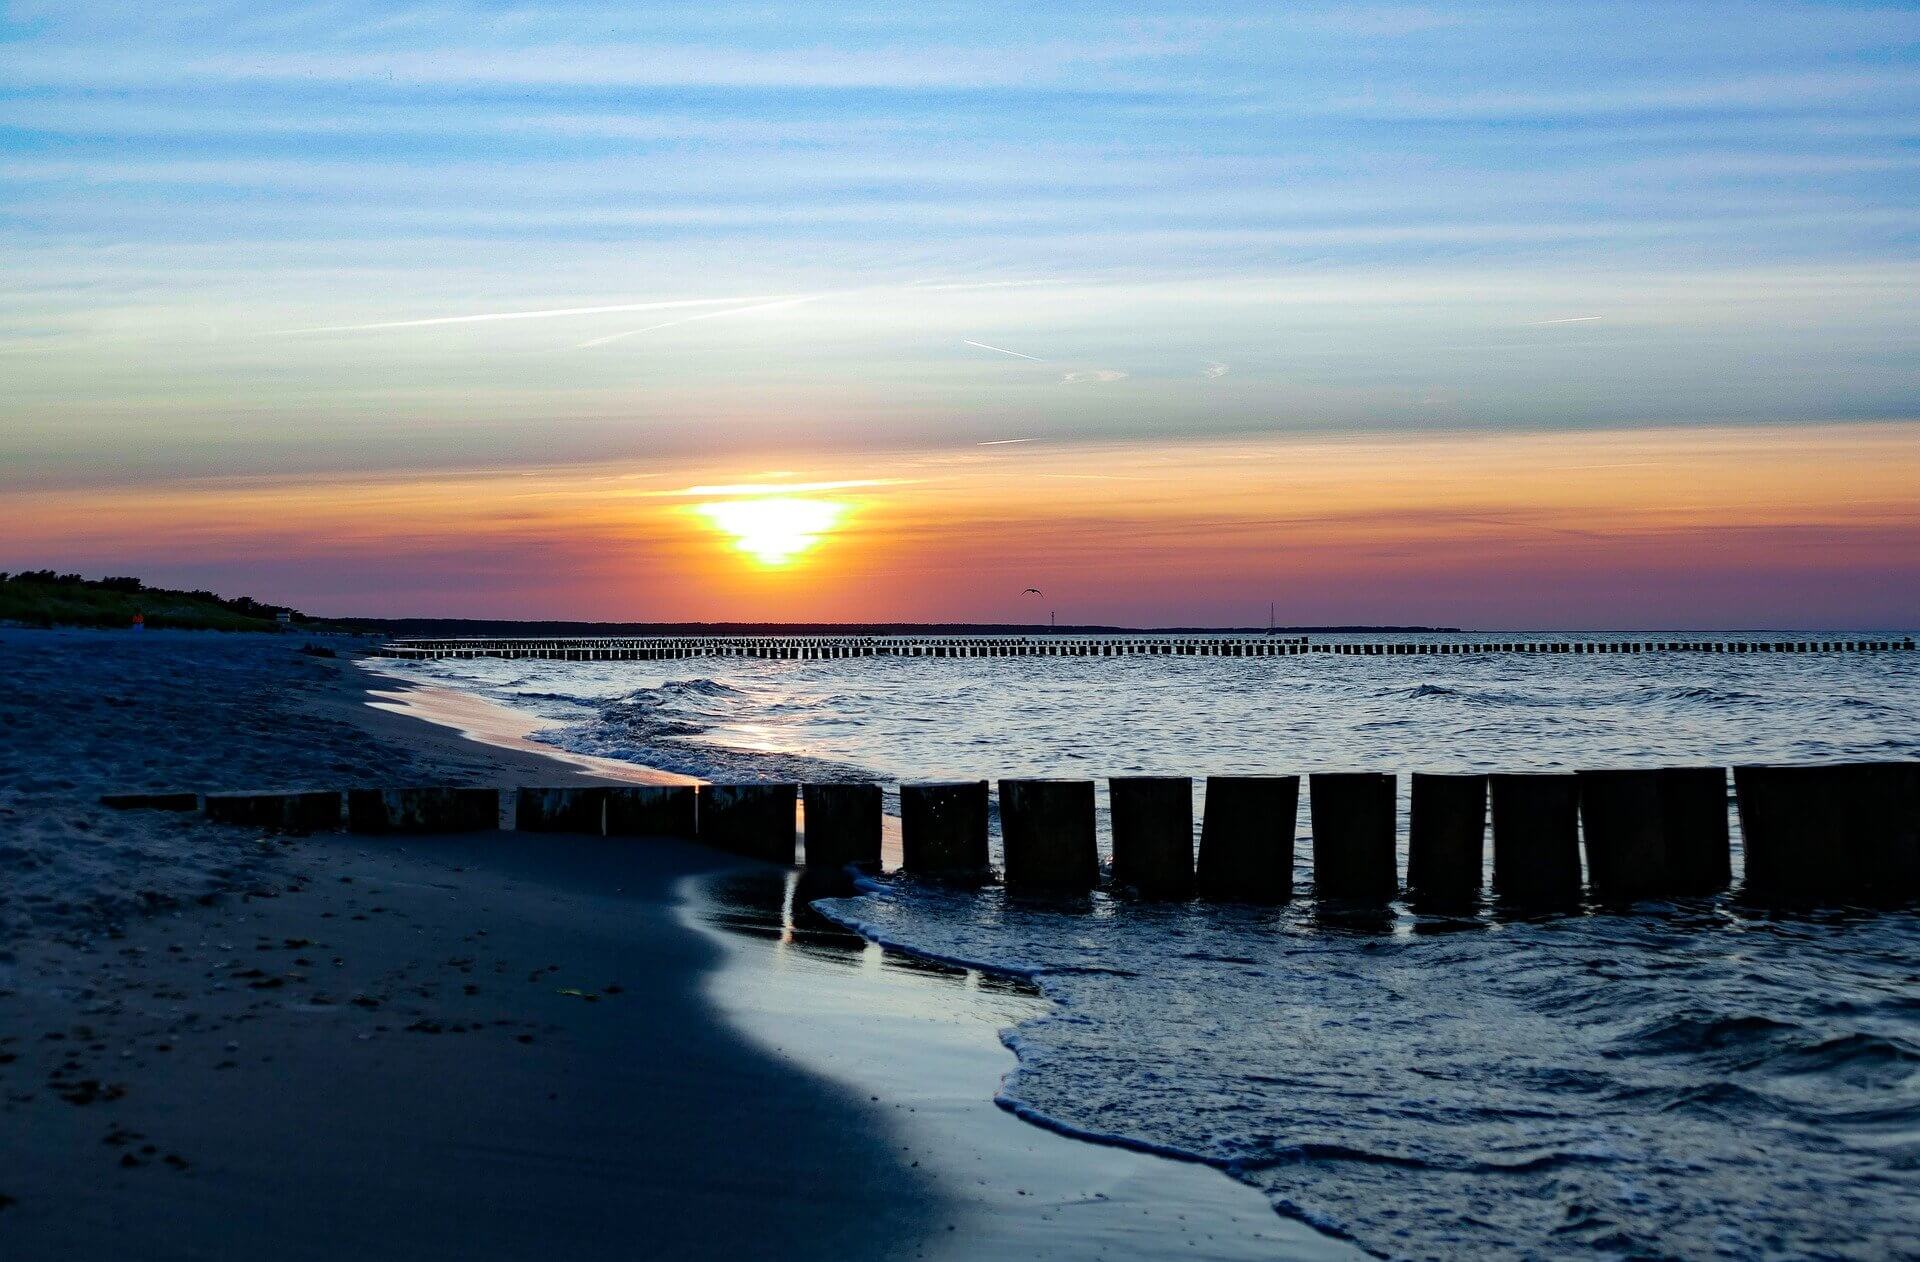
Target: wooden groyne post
x: 1536, y: 837
x: 423, y: 810
x: 1655, y: 833
x: 578, y: 809
x: 1353, y: 835
x: 842, y: 825
x: 943, y: 830
x: 302, y: 812
x: 1447, y: 837
x: 756, y: 821
x: 1246, y: 839
x: 1842, y: 832
x: 1152, y: 828
x: 652, y: 810
x: 1047, y: 829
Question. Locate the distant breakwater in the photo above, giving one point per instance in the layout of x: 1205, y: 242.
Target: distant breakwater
x: 820, y: 647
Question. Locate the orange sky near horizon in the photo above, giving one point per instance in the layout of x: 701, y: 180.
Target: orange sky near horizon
x: 1778, y: 525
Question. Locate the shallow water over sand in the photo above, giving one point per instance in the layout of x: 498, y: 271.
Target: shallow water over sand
x: 1691, y: 1080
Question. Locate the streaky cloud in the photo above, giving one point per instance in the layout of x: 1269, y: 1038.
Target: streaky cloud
x: 777, y: 305
x: 549, y: 313
x: 1001, y: 350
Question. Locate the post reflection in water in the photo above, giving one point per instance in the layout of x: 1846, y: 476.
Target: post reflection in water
x: 774, y: 905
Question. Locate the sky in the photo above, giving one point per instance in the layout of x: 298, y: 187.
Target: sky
x: 1516, y: 315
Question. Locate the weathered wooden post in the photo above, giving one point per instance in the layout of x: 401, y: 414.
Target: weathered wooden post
x: 651, y: 810
x: 1047, y: 829
x: 1153, y: 834
x: 151, y: 801
x: 753, y: 820
x: 1353, y: 857
x: 1446, y: 837
x: 1536, y: 837
x: 300, y: 812
x: 1655, y: 833
x: 1246, y: 839
x: 943, y: 830
x: 1624, y: 831
x: 1792, y: 834
x: 1849, y: 831
x: 570, y: 810
x: 1693, y: 810
x: 423, y: 810
x: 842, y: 825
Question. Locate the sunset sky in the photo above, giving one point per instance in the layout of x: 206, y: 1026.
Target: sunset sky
x: 1525, y: 315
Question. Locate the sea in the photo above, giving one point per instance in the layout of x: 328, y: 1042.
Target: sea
x: 1683, y: 1079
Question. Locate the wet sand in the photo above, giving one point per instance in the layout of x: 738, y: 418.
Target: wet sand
x: 462, y: 1047
x: 919, y: 1040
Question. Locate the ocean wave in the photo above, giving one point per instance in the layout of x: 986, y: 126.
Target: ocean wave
x: 1687, y: 1033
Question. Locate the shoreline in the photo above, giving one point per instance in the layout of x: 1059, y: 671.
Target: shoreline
x: 480, y: 1044
x: 1110, y: 1194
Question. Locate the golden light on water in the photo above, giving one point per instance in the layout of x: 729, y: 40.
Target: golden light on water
x: 773, y: 530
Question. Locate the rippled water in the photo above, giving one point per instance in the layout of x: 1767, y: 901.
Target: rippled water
x: 1690, y: 1080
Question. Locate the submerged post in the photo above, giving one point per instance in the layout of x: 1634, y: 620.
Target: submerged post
x: 943, y: 830
x: 1353, y: 855
x: 842, y: 825
x: 1447, y: 836
x: 1246, y: 839
x: 1536, y: 837
x: 1153, y: 834
x: 570, y: 810
x: 755, y: 821
x: 1047, y: 829
x: 651, y: 810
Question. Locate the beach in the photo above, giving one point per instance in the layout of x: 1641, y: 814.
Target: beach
x: 1693, y: 1076
x: 217, y: 1044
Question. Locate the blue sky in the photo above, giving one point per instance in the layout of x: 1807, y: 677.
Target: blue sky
x: 1185, y: 222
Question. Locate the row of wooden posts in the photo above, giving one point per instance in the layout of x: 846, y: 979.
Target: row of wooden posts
x: 1836, y: 833
x: 819, y: 647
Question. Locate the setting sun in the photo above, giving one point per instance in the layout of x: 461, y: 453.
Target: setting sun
x: 773, y: 531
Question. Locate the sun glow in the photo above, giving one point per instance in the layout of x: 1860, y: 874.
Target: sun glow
x: 773, y: 530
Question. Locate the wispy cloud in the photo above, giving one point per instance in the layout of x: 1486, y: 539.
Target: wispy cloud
x: 1092, y: 376
x: 1214, y: 369
x: 779, y: 305
x: 1001, y: 350
x: 547, y: 313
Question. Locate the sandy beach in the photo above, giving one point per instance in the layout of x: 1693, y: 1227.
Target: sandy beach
x: 219, y: 1045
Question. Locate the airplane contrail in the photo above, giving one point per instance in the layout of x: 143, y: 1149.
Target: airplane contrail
x: 1003, y: 442
x: 710, y: 315
x: 1566, y: 320
x: 1004, y: 351
x: 545, y: 314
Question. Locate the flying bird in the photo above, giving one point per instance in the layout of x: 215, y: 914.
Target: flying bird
x: 1033, y: 591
